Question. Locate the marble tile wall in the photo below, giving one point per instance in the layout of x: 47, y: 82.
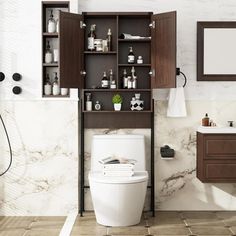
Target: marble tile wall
x: 177, y: 187
x: 43, y: 179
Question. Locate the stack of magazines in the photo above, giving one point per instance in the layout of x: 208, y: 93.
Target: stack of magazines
x: 118, y: 167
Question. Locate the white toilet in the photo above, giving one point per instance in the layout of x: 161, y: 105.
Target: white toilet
x: 118, y: 201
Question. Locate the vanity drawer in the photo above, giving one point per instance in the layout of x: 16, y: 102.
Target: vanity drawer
x: 220, y: 147
x: 223, y: 172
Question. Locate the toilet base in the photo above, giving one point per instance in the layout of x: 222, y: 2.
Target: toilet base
x: 118, y: 204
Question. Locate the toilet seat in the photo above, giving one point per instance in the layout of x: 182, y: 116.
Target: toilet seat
x: 138, y: 177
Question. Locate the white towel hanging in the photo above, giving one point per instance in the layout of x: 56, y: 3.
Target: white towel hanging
x: 176, y: 103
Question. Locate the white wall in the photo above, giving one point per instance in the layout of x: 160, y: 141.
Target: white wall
x: 20, y: 47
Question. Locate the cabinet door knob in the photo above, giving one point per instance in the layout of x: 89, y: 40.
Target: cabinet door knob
x: 83, y: 72
x: 152, y: 72
x: 2, y: 76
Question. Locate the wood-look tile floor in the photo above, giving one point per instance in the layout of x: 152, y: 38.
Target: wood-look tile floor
x: 165, y: 223
x: 190, y: 223
x: 31, y: 226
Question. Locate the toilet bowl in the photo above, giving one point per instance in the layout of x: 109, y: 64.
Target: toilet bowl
x: 118, y: 201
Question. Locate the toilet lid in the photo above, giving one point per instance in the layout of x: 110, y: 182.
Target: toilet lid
x: 139, y: 176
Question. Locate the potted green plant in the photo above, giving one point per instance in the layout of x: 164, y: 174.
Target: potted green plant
x: 117, y: 101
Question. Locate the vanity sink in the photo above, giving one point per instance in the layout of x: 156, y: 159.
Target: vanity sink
x: 216, y: 130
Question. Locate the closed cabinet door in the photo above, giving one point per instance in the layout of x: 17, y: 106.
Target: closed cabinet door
x: 71, y: 46
x: 163, y: 56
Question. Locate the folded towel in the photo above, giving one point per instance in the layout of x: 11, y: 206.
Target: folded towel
x: 118, y: 173
x: 118, y: 167
x: 176, y: 103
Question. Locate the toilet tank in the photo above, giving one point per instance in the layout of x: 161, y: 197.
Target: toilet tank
x: 124, y: 146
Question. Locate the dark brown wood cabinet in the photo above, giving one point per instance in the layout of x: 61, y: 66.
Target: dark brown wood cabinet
x: 159, y: 53
x: 83, y: 69
x: 216, y: 157
x: 59, y: 8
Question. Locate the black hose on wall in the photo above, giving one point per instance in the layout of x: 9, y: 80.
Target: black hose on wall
x: 9, y: 144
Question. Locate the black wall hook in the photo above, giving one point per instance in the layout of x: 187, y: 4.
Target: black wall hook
x: 2, y: 76
x: 178, y: 72
x: 16, y: 77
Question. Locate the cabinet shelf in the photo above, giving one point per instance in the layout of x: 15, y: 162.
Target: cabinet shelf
x: 111, y: 111
x: 100, y: 53
x: 55, y: 96
x: 54, y: 35
x: 50, y: 64
x: 134, y: 40
x: 134, y: 65
x: 117, y: 90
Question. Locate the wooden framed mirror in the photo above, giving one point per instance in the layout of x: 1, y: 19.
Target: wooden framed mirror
x: 216, y: 51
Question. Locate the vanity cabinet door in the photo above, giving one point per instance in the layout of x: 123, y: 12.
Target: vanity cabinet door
x: 163, y: 57
x: 220, y: 146
x: 71, y: 44
x: 216, y: 158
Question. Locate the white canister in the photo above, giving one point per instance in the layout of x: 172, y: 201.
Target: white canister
x: 55, y: 89
x: 89, y: 106
x: 98, y: 45
x: 56, y: 55
x: 64, y: 91
x: 51, y: 26
x: 47, y: 89
x: 48, y: 57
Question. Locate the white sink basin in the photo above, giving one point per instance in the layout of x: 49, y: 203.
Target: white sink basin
x: 216, y: 130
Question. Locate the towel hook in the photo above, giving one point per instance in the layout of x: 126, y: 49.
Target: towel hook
x: 178, y: 72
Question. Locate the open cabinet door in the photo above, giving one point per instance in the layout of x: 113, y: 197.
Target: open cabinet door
x: 71, y: 46
x: 163, y: 55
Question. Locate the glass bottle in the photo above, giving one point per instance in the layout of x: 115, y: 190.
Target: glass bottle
x: 48, y: 86
x: 89, y: 103
x: 112, y: 81
x: 125, y: 79
x: 140, y: 60
x: 55, y: 86
x: 131, y: 56
x: 57, y: 25
x: 105, y: 82
x: 109, y: 41
x: 48, y: 54
x: 97, y: 106
x: 134, y: 78
x: 51, y: 23
x: 91, y: 37
x: 129, y: 82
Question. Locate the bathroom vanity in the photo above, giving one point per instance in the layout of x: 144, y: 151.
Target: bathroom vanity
x: 216, y: 155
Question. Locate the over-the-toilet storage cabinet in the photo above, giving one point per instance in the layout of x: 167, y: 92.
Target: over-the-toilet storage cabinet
x: 80, y: 68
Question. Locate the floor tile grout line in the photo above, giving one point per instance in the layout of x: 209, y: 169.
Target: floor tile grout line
x: 225, y: 225
x: 228, y: 227
x: 186, y: 223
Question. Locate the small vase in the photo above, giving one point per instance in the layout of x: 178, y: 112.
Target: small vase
x: 117, y: 106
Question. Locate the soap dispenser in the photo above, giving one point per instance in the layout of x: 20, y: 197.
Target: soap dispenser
x: 55, y: 86
x: 205, y: 120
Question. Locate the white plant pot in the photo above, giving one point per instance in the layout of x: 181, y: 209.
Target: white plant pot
x: 117, y: 106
